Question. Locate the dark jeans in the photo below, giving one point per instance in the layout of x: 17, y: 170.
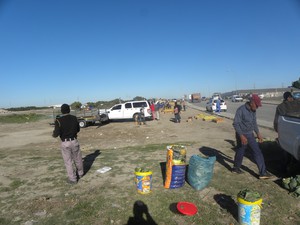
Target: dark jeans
x: 177, y: 118
x: 255, y: 150
x: 141, y: 118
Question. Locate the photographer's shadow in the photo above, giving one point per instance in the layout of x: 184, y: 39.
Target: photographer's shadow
x: 139, y: 209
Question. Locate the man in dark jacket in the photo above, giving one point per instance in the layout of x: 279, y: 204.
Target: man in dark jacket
x: 245, y: 126
x: 67, y: 127
x: 283, y: 108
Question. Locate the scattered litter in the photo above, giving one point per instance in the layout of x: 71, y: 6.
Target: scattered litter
x: 208, y: 118
x: 217, y: 120
x: 199, y: 116
x: 190, y: 119
x: 104, y: 169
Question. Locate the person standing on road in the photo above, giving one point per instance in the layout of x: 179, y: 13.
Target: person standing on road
x: 245, y: 126
x: 283, y: 107
x: 218, y: 106
x: 67, y: 127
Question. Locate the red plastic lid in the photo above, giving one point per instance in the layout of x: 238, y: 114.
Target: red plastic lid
x: 187, y: 208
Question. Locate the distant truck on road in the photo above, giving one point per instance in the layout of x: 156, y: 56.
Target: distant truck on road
x: 195, y: 97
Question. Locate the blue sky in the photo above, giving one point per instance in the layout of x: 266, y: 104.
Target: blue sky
x: 61, y: 51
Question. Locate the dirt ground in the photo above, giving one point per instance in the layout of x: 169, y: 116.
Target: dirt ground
x: 35, y: 141
x: 122, y: 134
x: 116, y: 135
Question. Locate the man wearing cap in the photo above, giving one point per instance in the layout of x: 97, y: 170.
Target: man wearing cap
x: 67, y: 127
x: 283, y: 107
x: 245, y: 126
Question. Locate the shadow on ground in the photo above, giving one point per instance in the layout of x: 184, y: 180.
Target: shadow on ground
x: 88, y: 160
x: 226, y: 202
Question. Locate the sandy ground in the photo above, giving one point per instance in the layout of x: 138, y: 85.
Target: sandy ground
x: 25, y: 148
x: 37, y: 136
x: 122, y: 134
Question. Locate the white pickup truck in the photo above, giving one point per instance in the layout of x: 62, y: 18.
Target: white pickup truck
x: 128, y: 110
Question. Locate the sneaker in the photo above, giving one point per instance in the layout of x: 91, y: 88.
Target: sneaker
x: 266, y: 176
x: 71, y: 182
x: 236, y: 170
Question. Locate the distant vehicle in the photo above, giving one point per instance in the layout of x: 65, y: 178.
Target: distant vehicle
x: 85, y: 117
x: 195, y: 97
x: 216, y: 96
x: 236, y: 98
x: 261, y: 96
x: 129, y: 110
x: 296, y: 94
x: 203, y: 98
x: 211, y: 105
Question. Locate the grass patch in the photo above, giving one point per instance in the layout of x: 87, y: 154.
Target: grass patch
x: 16, y: 184
x: 21, y: 118
x: 110, y: 198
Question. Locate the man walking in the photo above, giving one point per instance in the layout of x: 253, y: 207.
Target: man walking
x: 245, y: 126
x: 67, y: 127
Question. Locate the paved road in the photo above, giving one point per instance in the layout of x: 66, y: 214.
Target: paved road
x: 265, y: 114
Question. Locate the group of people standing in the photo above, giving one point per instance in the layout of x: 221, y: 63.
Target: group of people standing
x: 178, y: 107
x: 244, y: 123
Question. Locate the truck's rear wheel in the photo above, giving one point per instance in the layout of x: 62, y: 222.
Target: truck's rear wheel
x: 82, y: 123
x: 135, y: 117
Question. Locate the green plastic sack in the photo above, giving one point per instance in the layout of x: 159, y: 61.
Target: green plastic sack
x: 200, y: 171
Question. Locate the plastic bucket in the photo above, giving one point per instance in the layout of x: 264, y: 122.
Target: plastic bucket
x: 143, y: 181
x: 249, y: 212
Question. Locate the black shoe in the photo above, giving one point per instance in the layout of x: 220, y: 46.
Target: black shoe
x: 71, y: 182
x: 237, y: 170
x: 266, y: 176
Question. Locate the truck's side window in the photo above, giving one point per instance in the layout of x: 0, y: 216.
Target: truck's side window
x: 117, y: 107
x: 128, y: 106
x: 139, y: 104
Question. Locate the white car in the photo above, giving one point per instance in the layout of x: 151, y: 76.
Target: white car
x: 211, y: 105
x: 236, y: 98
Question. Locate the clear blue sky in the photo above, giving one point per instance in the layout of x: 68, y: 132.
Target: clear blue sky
x: 61, y: 51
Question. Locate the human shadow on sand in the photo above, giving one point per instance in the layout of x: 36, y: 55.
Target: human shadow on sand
x: 274, y: 157
x: 88, y: 160
x: 141, y: 215
x: 226, y: 202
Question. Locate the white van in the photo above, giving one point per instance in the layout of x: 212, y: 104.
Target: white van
x: 129, y: 110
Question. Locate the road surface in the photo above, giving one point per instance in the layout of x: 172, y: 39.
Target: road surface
x: 265, y: 114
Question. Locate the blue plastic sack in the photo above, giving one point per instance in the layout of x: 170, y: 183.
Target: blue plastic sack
x: 200, y: 171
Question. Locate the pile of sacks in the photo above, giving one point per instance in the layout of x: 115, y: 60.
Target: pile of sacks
x: 292, y: 184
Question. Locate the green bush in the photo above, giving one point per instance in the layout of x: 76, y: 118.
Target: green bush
x: 21, y: 118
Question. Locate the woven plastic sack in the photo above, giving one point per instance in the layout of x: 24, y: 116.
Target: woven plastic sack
x: 200, y: 171
x: 175, y: 166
